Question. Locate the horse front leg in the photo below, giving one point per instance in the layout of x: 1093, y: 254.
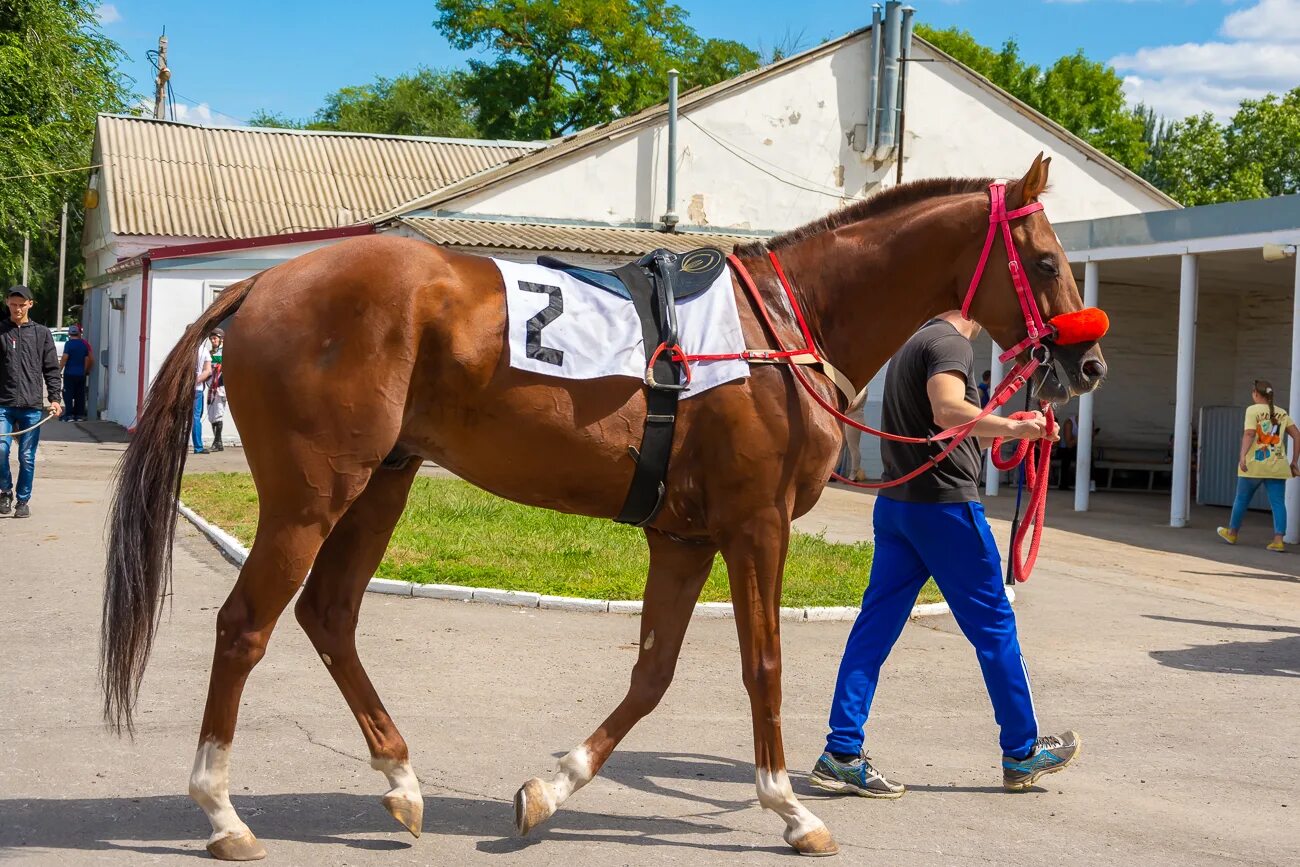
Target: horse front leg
x: 678, y: 571
x: 755, y: 555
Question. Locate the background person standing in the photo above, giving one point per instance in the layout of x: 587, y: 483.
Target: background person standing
x: 75, y: 364
x: 1263, y: 462
x: 29, y: 370
x: 217, y: 389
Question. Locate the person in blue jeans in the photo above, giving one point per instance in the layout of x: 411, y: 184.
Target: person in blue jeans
x: 29, y: 372
x: 202, y: 373
x: 934, y: 525
x: 1263, y: 461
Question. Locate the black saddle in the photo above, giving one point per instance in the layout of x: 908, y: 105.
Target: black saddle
x: 690, y: 273
x: 654, y: 284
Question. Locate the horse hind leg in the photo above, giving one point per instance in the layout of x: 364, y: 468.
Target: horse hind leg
x: 276, y: 566
x: 328, y: 610
x: 678, y: 571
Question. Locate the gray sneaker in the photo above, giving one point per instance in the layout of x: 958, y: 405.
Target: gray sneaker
x: 23, y: 511
x: 1051, y: 753
x: 857, y: 777
x: 6, y: 502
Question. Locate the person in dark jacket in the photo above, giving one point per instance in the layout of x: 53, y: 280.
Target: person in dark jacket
x: 29, y: 370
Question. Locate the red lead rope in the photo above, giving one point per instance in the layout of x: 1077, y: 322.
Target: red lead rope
x: 1036, y: 472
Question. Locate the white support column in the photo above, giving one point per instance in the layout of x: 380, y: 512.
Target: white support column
x: 992, y: 476
x: 1180, y: 499
x: 1083, y: 459
x: 1293, y: 485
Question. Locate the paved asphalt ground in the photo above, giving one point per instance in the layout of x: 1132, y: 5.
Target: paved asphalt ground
x: 1177, y: 660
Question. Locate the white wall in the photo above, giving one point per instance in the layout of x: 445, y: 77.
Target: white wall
x: 790, y: 159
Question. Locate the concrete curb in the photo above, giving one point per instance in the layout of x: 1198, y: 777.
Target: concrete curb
x: 237, y: 553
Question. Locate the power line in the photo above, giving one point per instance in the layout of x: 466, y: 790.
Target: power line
x: 741, y: 155
x: 54, y: 172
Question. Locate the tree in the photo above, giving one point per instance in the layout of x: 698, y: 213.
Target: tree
x: 425, y: 102
x: 57, y: 71
x: 1265, y: 133
x: 557, y: 67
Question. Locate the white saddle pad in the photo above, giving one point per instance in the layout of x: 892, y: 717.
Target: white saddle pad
x: 560, y: 326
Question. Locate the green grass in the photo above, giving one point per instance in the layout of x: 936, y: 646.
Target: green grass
x: 454, y: 533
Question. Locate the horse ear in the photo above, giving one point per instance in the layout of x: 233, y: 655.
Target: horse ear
x: 1035, y: 180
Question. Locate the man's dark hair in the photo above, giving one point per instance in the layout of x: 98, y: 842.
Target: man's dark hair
x: 987, y: 374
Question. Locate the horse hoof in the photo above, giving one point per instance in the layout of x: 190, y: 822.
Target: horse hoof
x: 818, y: 843
x: 406, y: 811
x: 532, y: 806
x: 237, y: 847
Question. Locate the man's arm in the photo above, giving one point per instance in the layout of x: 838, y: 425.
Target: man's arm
x: 947, y: 393
x: 206, y: 374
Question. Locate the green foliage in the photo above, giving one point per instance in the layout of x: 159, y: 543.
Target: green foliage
x: 453, y: 533
x: 57, y: 71
x: 556, y: 67
x: 426, y: 102
x: 1200, y: 161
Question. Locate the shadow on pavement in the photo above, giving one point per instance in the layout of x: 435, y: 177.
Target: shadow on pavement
x: 151, y: 825
x: 1275, y: 657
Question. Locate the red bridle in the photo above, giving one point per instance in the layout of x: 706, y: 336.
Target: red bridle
x: 1091, y: 327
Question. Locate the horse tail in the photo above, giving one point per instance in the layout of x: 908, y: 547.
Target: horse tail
x: 142, y: 518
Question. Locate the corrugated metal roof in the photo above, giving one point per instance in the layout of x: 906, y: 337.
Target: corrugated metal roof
x: 658, y: 113
x: 607, y: 240
x: 167, y: 178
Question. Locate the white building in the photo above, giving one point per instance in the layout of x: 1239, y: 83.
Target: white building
x: 757, y: 154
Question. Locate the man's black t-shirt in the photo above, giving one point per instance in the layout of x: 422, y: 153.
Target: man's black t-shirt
x: 936, y: 348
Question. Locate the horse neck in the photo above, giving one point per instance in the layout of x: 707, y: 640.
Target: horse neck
x: 867, y: 286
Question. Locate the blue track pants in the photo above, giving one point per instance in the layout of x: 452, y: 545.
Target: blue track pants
x: 952, y: 542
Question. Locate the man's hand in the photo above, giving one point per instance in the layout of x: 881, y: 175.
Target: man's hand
x: 56, y: 408
x: 1242, y: 466
x: 1035, y: 428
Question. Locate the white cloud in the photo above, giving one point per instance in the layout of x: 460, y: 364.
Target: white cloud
x: 1260, y: 54
x: 1266, y: 21
x: 107, y: 13
x: 204, y: 115
x: 199, y: 115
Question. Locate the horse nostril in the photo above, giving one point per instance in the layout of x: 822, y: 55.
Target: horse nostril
x: 1094, y: 370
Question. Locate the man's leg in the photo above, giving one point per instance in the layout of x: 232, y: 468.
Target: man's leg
x: 27, y: 444
x: 6, y: 479
x: 963, y: 557
x: 78, y: 397
x: 1246, y: 488
x: 197, y: 433
x: 897, y: 575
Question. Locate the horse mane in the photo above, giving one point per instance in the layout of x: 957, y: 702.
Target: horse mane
x: 886, y: 200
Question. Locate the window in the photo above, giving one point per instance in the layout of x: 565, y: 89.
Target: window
x: 212, y: 290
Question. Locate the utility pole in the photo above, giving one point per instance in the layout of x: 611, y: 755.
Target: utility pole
x: 27, y: 255
x: 160, y: 83
x: 63, y: 255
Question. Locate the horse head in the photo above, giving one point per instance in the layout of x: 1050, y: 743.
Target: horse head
x: 1072, y: 359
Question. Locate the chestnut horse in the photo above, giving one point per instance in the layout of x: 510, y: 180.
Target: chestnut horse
x: 350, y: 364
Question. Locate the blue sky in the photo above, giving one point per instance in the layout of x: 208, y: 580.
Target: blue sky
x: 233, y: 57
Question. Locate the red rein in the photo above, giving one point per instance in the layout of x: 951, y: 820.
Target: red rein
x: 1036, y: 473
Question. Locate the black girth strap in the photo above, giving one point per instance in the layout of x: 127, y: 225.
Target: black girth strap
x: 658, y: 315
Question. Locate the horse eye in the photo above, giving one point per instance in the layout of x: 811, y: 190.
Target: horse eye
x: 1048, y: 266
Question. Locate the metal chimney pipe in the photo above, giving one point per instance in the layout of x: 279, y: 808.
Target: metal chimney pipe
x: 905, y: 52
x: 873, y: 82
x: 889, y: 81
x: 670, y: 218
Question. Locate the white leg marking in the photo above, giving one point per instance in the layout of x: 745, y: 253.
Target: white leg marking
x: 574, y: 773
x: 210, y: 789
x: 776, y: 794
x: 649, y: 640
x: 401, y: 778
